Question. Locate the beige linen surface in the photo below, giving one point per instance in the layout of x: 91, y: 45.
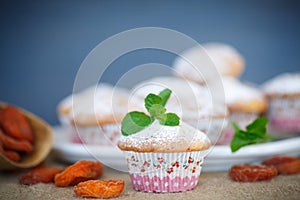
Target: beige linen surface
x: 215, y: 185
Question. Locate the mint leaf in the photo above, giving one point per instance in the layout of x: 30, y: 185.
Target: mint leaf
x: 165, y: 95
x: 258, y: 126
x: 152, y: 99
x: 157, y: 111
x: 235, y: 127
x: 255, y: 133
x: 238, y: 142
x: 134, y: 122
x: 168, y: 119
x: 171, y: 120
x: 242, y: 138
x: 160, y: 99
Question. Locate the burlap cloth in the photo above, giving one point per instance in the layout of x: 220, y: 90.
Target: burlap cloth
x: 216, y: 185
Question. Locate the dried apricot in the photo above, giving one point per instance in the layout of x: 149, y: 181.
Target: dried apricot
x: 100, y: 188
x: 1, y: 115
x: 292, y: 167
x: 10, y: 143
x: 252, y: 173
x: 278, y: 160
x: 11, y: 155
x: 15, y: 124
x: 79, y: 172
x: 39, y: 175
x: 284, y: 164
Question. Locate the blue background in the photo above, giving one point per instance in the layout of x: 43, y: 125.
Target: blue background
x: 42, y: 43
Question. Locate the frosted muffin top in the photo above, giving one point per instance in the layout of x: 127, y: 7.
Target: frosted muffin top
x: 159, y: 138
x: 243, y: 97
x: 224, y: 57
x: 287, y: 84
x: 100, y: 104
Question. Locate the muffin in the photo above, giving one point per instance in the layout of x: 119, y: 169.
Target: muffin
x: 164, y: 158
x: 192, y: 102
x: 227, y: 60
x: 245, y: 103
x: 93, y: 115
x: 283, y: 94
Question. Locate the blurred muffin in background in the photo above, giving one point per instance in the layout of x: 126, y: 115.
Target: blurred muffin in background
x: 93, y: 116
x: 191, y: 101
x: 227, y: 60
x: 245, y: 103
x: 283, y: 94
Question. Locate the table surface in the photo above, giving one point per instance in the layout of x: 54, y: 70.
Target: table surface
x: 212, y: 185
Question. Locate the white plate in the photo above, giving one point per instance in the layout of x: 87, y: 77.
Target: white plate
x: 219, y: 158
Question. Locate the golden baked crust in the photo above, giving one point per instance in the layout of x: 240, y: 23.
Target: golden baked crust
x: 64, y: 110
x: 164, y: 146
x: 236, y: 68
x: 251, y: 106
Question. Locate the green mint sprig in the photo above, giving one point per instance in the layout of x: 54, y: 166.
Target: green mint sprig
x: 136, y: 121
x: 255, y: 133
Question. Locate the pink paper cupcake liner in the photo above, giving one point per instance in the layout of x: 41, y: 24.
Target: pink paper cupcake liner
x: 284, y: 115
x: 164, y: 172
x: 165, y: 184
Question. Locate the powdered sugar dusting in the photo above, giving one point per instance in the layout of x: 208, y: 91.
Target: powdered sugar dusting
x: 287, y: 83
x: 221, y: 56
x: 97, y: 102
x: 236, y: 91
x: 167, y: 138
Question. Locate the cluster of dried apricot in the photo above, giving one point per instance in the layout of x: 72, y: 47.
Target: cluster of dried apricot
x: 269, y: 169
x: 16, y: 135
x: 82, y: 174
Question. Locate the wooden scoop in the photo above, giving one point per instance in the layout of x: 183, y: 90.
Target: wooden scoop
x: 42, y: 143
